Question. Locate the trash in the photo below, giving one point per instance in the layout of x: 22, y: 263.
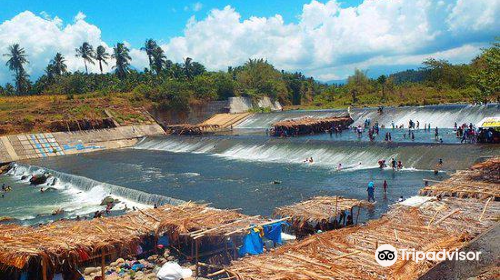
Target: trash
x: 173, y: 271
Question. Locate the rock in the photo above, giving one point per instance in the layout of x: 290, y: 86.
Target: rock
x: 109, y: 199
x: 89, y: 270
x: 152, y: 258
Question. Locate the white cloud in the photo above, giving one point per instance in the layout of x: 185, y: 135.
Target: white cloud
x: 42, y: 38
x: 328, y: 40
x: 328, y: 36
x: 80, y: 16
x: 197, y: 6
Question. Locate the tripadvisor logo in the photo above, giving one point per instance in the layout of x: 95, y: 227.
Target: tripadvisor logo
x: 386, y: 255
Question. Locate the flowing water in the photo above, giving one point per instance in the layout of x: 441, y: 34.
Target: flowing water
x: 247, y: 169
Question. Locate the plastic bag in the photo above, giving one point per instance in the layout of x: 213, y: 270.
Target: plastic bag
x: 173, y: 271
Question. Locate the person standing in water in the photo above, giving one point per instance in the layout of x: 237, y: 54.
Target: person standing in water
x: 385, y: 186
x: 371, y: 191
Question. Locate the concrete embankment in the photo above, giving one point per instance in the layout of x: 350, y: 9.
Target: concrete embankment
x: 26, y: 146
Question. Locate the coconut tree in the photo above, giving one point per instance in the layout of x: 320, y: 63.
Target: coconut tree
x: 122, y: 58
x: 86, y: 52
x: 159, y: 60
x: 101, y: 55
x: 187, y: 67
x: 58, y: 64
x: 16, y: 61
x: 149, y: 47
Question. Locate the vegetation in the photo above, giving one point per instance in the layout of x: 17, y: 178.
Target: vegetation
x: 170, y: 85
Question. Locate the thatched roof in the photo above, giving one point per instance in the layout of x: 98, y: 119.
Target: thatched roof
x: 348, y: 253
x: 319, y: 208
x: 481, y: 181
x: 308, y: 121
x: 72, y: 240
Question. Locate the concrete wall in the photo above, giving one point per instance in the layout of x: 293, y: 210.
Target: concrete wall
x: 243, y: 104
x: 26, y: 146
x: 197, y: 114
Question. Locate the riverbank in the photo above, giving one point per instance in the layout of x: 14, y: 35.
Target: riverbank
x: 42, y: 145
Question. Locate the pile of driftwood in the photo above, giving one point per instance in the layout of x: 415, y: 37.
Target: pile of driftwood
x: 321, y: 213
x: 310, y: 125
x: 349, y: 253
x: 78, y: 125
x: 189, y: 129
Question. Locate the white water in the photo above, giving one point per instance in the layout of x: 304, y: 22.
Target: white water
x: 351, y: 157
x: 442, y: 116
x: 85, y: 194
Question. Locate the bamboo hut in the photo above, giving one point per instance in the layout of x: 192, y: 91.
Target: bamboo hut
x: 308, y: 125
x: 435, y: 224
x: 63, y: 246
x: 322, y: 213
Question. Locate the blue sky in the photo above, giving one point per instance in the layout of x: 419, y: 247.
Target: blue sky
x: 323, y: 39
x: 133, y: 21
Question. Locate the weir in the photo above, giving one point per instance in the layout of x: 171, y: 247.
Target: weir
x: 87, y: 184
x: 326, y: 154
x: 442, y: 116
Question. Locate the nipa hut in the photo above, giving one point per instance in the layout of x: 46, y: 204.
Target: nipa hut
x: 482, y: 181
x: 308, y: 125
x: 431, y: 225
x: 194, y: 231
x: 322, y: 213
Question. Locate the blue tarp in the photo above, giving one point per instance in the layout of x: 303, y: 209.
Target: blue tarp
x: 252, y: 244
x: 163, y: 240
x: 273, y: 232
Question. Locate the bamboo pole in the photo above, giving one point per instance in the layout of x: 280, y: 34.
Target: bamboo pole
x: 44, y: 268
x: 197, y: 256
x: 484, y: 209
x: 103, y: 265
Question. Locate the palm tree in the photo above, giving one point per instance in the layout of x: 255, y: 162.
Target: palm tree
x: 59, y: 64
x: 101, y: 55
x: 120, y: 54
x: 187, y: 67
x: 150, y: 47
x: 159, y: 59
x: 49, y: 71
x: 17, y: 59
x: 86, y: 52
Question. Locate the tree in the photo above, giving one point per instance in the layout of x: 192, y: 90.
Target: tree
x: 16, y: 61
x: 101, y: 55
x: 58, y: 64
x: 486, y: 76
x: 86, y: 52
x: 187, y: 67
x: 382, y: 79
x: 150, y: 47
x: 159, y: 60
x: 122, y: 57
x: 358, y: 84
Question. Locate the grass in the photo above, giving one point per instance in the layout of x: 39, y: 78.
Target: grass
x: 25, y: 114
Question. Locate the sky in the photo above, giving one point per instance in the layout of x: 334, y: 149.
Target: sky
x: 323, y: 39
